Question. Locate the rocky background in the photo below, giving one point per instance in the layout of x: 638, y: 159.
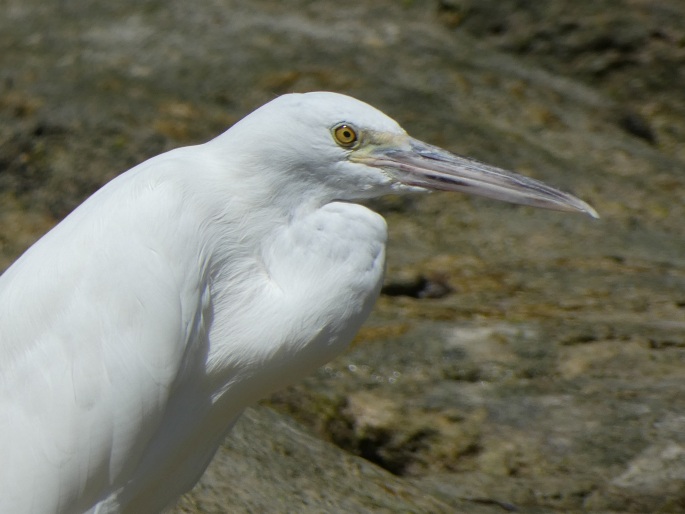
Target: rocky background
x: 518, y: 360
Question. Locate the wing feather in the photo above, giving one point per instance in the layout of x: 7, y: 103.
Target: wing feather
x: 93, y: 330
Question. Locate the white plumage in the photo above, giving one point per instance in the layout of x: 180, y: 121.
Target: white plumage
x: 135, y: 332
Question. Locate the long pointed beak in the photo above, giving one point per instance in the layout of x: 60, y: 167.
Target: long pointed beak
x: 418, y: 164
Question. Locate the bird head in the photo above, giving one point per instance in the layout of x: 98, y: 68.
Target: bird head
x: 330, y: 147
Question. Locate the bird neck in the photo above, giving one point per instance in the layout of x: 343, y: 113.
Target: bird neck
x: 277, y: 194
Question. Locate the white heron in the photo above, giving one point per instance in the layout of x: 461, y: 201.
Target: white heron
x: 134, y: 333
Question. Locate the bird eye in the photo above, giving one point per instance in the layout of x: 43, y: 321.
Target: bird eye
x: 345, y: 135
